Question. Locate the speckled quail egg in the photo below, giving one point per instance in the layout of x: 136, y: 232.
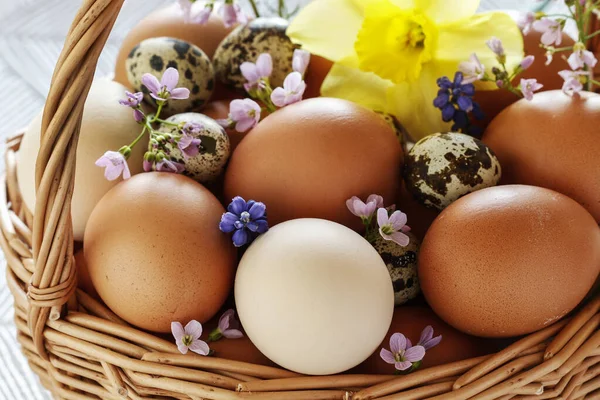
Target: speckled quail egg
x: 392, y: 121
x: 210, y: 162
x: 401, y: 263
x: 246, y: 43
x: 196, y: 72
x: 442, y: 167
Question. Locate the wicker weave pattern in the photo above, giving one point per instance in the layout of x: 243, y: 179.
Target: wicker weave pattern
x: 81, y: 350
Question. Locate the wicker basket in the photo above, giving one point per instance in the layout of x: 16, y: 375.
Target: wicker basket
x: 81, y: 350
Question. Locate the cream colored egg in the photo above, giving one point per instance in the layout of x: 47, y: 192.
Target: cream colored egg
x: 106, y: 125
x: 314, y: 296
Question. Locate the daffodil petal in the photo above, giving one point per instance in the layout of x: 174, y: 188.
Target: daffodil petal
x: 412, y: 104
x: 346, y: 81
x: 328, y: 28
x: 457, y: 41
x: 443, y: 11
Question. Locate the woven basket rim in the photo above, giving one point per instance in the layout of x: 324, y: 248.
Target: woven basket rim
x: 82, y: 350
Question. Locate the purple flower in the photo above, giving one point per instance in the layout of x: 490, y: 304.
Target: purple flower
x: 188, y: 338
x: 528, y: 86
x: 147, y: 165
x: 472, y: 70
x: 257, y: 74
x: 189, y: 145
x: 228, y: 327
x: 551, y: 29
x: 455, y: 100
x: 573, y: 81
x: 204, y: 14
x: 496, y: 46
x: 581, y: 57
x: 393, y: 227
x: 245, y: 219
x: 186, y: 8
x: 292, y: 91
x: 133, y: 99
x: 427, y: 340
x: 232, y: 13
x: 139, y: 116
x: 165, y: 89
x: 364, y: 210
x: 527, y: 62
x: 174, y: 167
x: 115, y: 164
x: 526, y: 21
x: 300, y: 61
x: 403, y: 354
x: 243, y: 115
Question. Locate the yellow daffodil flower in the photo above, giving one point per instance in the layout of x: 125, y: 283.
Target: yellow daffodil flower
x: 389, y: 54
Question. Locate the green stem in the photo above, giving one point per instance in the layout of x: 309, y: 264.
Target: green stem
x: 588, y: 37
x: 281, y: 8
x: 140, y: 136
x: 162, y: 121
x: 558, y: 16
x: 161, y: 104
x: 254, y: 8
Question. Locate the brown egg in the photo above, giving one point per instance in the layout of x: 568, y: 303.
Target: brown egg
x: 83, y: 275
x: 509, y: 260
x: 307, y: 159
x: 551, y: 142
x: 494, y: 101
x: 410, y: 321
x: 219, y: 109
x: 168, y: 22
x: 316, y: 72
x: 155, y: 252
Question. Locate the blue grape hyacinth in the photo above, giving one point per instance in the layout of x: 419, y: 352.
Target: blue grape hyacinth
x: 455, y: 100
x: 246, y: 220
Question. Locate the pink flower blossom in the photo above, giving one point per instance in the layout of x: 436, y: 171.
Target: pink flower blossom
x: 527, y: 62
x: 228, y: 327
x: 364, y: 210
x: 243, y: 115
x: 189, y: 145
x: 147, y: 165
x: 393, y: 227
x: 300, y: 61
x: 188, y: 338
x: 496, y: 46
x: 132, y: 100
x: 204, y: 15
x: 256, y: 74
x: 427, y: 340
x: 138, y: 116
x: 528, y: 86
x: 165, y: 89
x: 581, y: 57
x: 549, y: 57
x: 402, y: 353
x: 551, y: 31
x: 170, y: 166
x: 115, y: 164
x: 186, y: 9
x: 232, y: 13
x: 573, y: 81
x: 291, y: 92
x: 472, y: 70
x: 526, y: 21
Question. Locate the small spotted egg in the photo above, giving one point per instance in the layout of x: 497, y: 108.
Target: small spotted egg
x: 214, y: 147
x: 401, y: 263
x: 442, y: 167
x: 196, y: 72
x: 246, y: 43
x: 392, y: 121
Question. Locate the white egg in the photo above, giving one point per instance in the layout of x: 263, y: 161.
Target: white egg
x: 314, y: 296
x: 106, y: 125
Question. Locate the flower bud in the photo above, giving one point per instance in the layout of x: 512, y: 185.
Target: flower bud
x: 527, y: 62
x: 500, y: 83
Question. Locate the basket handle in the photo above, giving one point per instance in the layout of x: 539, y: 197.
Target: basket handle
x: 54, y: 279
